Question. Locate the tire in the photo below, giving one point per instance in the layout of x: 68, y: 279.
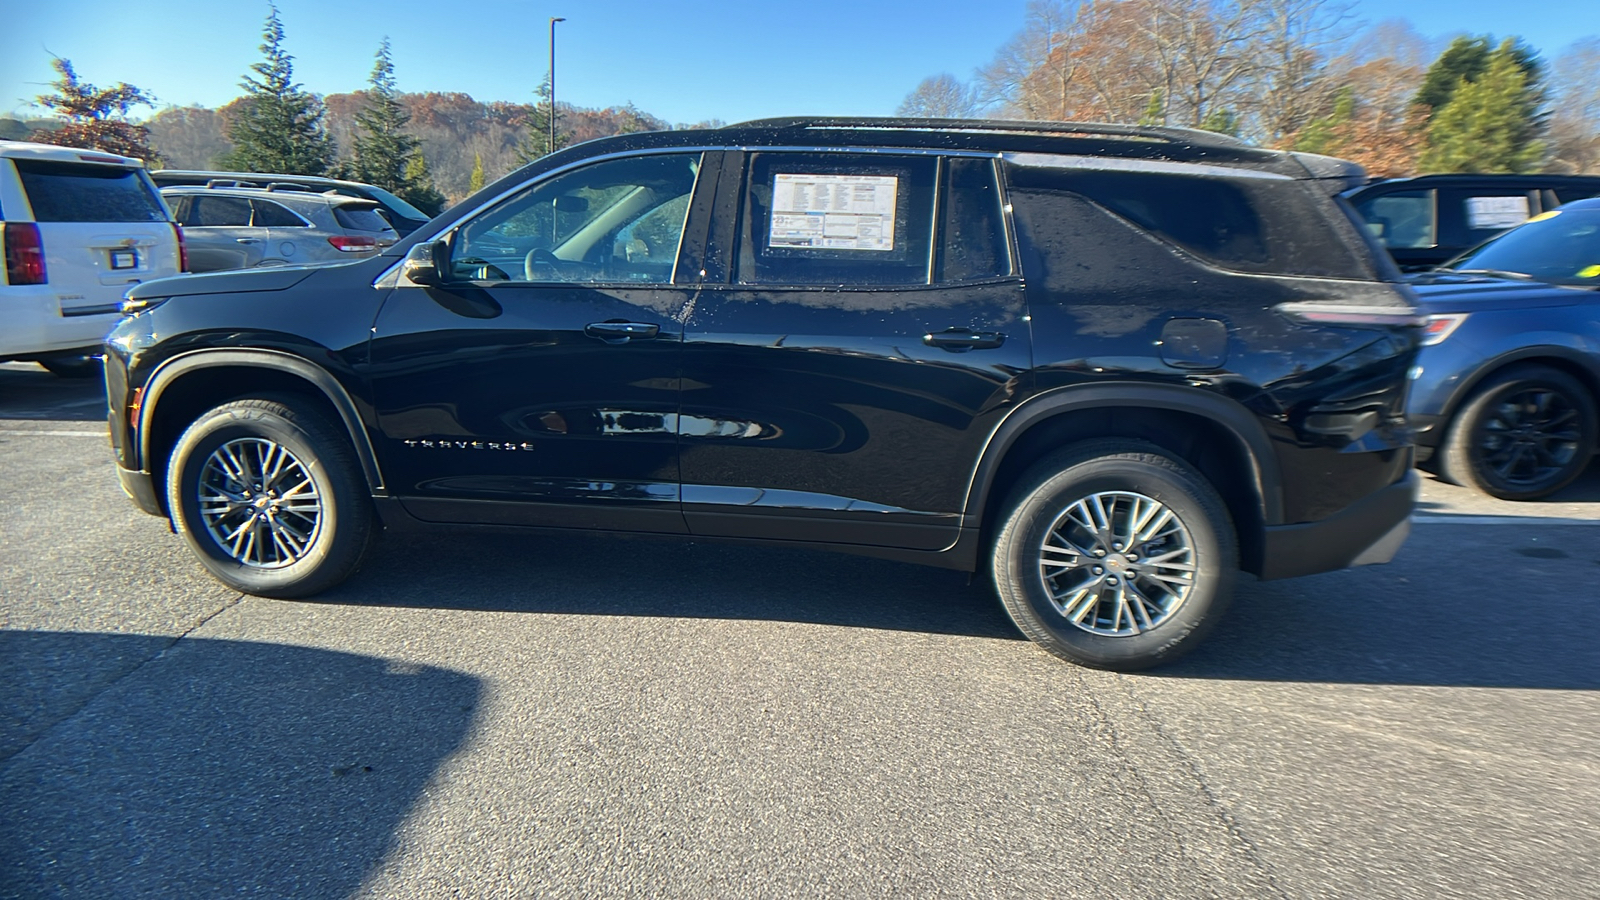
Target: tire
x: 1078, y: 605
x: 1525, y: 433
x: 297, y: 545
x: 73, y: 366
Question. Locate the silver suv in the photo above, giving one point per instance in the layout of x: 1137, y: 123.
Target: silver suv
x: 241, y: 228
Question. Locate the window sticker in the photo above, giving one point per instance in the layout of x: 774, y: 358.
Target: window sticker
x: 833, y: 212
x: 1485, y: 213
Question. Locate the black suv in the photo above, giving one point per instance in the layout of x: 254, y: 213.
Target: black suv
x: 1108, y: 365
x: 1429, y: 220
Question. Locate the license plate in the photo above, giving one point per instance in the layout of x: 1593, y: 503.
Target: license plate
x: 124, y: 259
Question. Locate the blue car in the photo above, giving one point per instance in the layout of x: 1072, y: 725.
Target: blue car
x: 1504, y: 394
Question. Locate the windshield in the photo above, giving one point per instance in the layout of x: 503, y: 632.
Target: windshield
x: 398, y: 205
x: 1560, y: 247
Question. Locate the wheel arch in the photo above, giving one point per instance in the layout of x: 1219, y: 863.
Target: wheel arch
x: 1574, y: 362
x: 1216, y: 435
x: 188, y: 384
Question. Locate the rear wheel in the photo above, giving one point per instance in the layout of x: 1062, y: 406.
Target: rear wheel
x: 269, y: 496
x: 1116, y: 556
x: 1525, y: 433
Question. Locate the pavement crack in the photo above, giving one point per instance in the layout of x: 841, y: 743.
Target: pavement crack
x: 6, y: 761
x: 1121, y: 744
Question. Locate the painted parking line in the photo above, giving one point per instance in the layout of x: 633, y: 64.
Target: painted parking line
x: 1500, y: 520
x: 4, y: 432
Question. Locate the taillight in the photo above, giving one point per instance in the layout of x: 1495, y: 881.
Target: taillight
x: 353, y: 243
x: 1338, y: 314
x: 24, y: 254
x: 183, y: 249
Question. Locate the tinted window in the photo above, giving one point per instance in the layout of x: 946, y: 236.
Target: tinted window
x: 1249, y: 224
x: 71, y: 192
x: 973, y: 242
x: 614, y: 221
x: 1402, y: 219
x: 274, y: 215
x: 832, y: 218
x: 1469, y: 216
x: 207, y: 212
x: 358, y: 218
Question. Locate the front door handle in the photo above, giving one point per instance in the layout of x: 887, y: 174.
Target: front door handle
x: 615, y: 332
x: 960, y: 340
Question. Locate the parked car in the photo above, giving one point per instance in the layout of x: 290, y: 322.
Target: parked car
x: 1506, y: 391
x: 1427, y: 220
x: 1109, y: 365
x: 78, y: 228
x: 402, y: 216
x: 241, y: 228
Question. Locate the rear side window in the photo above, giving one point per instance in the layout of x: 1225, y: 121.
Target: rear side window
x: 274, y: 215
x: 1268, y: 226
x: 80, y: 192
x: 972, y: 244
x: 357, y: 218
x: 828, y: 218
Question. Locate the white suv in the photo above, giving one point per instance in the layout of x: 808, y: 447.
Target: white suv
x: 77, y: 229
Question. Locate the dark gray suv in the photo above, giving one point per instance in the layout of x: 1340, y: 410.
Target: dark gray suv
x: 1107, y: 366
x: 242, y: 228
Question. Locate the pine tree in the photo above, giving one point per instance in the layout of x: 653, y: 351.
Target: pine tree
x: 475, y: 181
x: 383, y: 149
x: 1490, y: 124
x: 537, y: 141
x: 279, y: 127
x: 418, y: 189
x: 1156, y: 112
x: 95, y: 118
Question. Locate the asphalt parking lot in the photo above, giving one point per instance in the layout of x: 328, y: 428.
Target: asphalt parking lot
x: 503, y: 716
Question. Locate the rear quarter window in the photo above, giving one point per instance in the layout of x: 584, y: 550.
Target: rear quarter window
x: 359, y: 219
x: 74, y: 192
x: 1258, y: 225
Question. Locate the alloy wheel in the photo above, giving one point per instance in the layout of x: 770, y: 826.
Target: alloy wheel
x: 1117, y: 563
x: 259, y: 503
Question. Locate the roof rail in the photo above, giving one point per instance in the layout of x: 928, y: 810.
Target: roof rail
x: 1191, y: 136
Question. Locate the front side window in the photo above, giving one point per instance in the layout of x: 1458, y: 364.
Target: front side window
x: 1403, y: 219
x: 826, y: 218
x: 617, y: 221
x: 215, y: 212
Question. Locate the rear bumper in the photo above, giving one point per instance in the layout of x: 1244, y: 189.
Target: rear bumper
x: 1369, y: 532
x: 34, y: 325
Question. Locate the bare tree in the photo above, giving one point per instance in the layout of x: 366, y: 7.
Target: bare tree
x: 940, y: 97
x: 1574, y: 130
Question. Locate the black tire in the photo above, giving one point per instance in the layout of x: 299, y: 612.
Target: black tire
x: 73, y: 366
x: 1525, y: 433
x: 1187, y: 604
x: 269, y: 559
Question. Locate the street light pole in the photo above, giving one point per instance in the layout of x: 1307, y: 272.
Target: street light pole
x: 553, y: 21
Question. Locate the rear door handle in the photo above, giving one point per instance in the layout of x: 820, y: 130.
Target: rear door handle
x: 620, y: 332
x: 960, y: 340
x: 247, y: 240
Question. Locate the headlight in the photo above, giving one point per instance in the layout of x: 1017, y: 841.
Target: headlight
x: 1436, y: 328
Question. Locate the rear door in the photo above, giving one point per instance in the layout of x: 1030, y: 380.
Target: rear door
x: 220, y: 235
x: 860, y: 335
x: 103, y: 227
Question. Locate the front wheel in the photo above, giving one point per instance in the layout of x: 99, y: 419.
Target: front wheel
x: 269, y: 496
x: 1116, y: 556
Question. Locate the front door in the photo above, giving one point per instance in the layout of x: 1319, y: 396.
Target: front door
x: 539, y: 385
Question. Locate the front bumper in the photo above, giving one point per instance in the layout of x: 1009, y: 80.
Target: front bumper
x: 1369, y: 532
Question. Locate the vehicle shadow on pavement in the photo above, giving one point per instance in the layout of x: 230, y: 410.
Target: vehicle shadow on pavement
x: 617, y: 576
x: 29, y: 393
x: 1461, y: 606
x: 217, y: 767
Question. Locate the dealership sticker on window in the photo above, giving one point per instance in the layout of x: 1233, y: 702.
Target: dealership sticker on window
x: 1496, y: 212
x: 833, y: 212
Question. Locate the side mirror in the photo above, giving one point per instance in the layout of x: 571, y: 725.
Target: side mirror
x: 428, y: 263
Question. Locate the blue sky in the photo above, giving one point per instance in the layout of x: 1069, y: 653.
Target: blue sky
x: 682, y: 60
